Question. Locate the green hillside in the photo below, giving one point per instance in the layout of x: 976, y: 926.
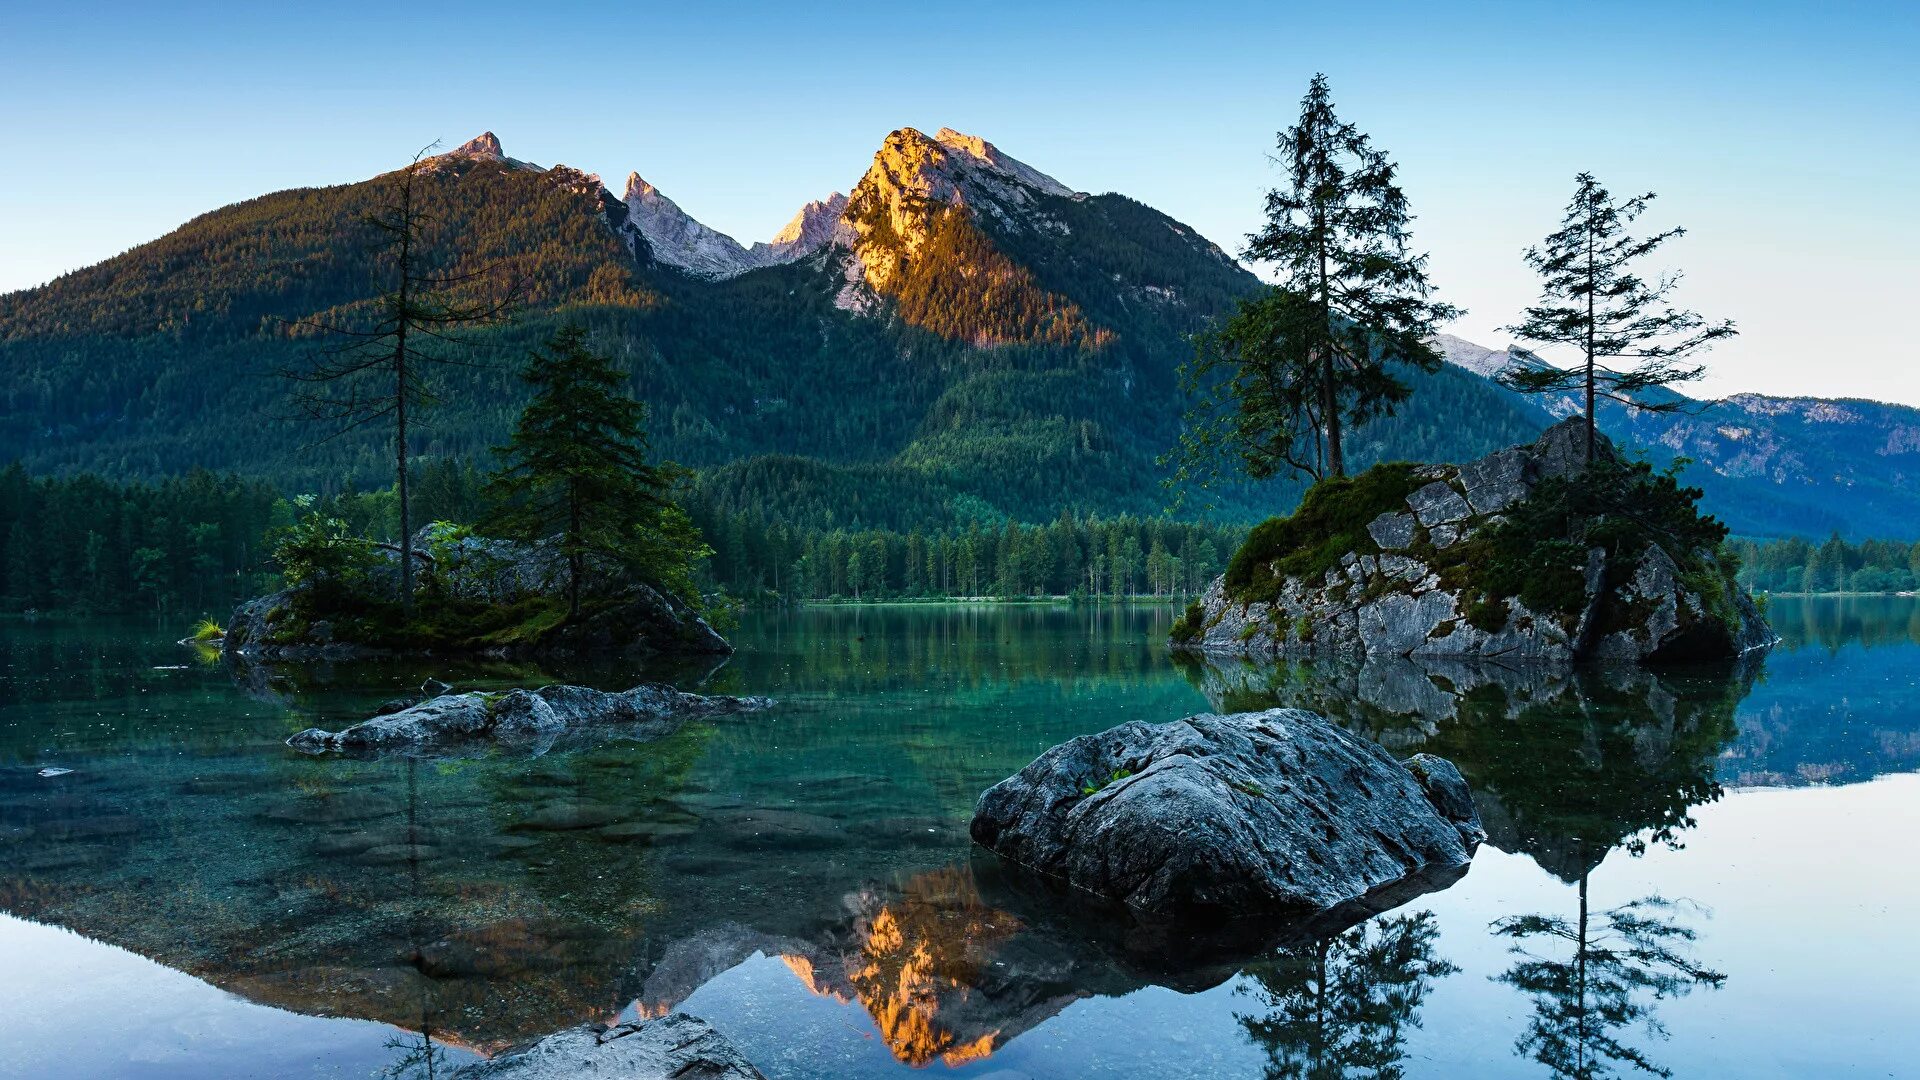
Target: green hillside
x: 1015, y: 374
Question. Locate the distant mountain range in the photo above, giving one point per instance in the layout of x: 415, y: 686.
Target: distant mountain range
x: 959, y: 337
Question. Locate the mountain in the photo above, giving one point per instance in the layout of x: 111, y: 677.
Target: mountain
x: 1770, y: 466
x: 959, y: 337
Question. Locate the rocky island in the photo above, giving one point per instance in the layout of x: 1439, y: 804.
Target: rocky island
x: 1530, y: 553
x: 474, y: 595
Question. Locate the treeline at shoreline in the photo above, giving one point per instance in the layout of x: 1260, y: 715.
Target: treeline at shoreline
x: 1835, y: 565
x: 196, y: 545
x: 199, y: 543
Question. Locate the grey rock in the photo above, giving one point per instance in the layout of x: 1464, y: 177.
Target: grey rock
x: 1393, y: 532
x: 1225, y: 816
x: 1394, y: 604
x: 1561, y: 450
x: 1397, y: 623
x: 529, y: 717
x: 672, y: 1047
x: 435, y: 688
x: 1498, y: 480
x: 1438, y: 504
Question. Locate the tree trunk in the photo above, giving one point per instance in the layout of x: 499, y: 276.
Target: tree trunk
x: 573, y: 550
x: 404, y: 317
x: 1592, y: 287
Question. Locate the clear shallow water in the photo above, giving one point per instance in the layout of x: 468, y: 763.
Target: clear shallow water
x: 195, y: 900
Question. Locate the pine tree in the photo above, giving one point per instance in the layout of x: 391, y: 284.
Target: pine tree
x: 576, y: 467
x: 1592, y: 301
x: 1337, y: 236
x: 378, y: 372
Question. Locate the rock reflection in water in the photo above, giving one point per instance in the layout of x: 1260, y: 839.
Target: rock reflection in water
x: 953, y: 964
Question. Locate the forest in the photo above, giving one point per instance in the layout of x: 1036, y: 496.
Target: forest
x: 197, y: 545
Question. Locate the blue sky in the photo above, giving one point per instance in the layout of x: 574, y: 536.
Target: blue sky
x: 1782, y: 135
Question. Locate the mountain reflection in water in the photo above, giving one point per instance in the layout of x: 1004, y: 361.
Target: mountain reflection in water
x: 484, y: 901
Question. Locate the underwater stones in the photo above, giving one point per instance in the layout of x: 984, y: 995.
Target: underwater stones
x: 777, y: 830
x: 394, y: 854
x: 1226, y: 816
x: 913, y: 831
x: 1392, y: 531
x: 679, y: 1046
x: 646, y: 832
x: 525, y: 717
x: 565, y: 817
x: 335, y: 807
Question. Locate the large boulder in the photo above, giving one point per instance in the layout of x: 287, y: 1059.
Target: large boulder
x: 1270, y: 813
x: 526, y: 717
x: 672, y: 1047
x: 1408, y: 588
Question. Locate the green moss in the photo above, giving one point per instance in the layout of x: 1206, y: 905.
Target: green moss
x: 1189, y: 625
x: 1331, y: 521
x: 434, y: 623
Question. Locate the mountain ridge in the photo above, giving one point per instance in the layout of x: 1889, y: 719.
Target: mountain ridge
x: 961, y: 329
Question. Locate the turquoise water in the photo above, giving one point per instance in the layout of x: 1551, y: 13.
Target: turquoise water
x: 194, y: 900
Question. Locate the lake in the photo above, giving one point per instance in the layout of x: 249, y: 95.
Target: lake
x: 1706, y: 871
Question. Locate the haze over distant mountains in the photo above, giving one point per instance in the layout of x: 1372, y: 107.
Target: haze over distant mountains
x: 959, y: 337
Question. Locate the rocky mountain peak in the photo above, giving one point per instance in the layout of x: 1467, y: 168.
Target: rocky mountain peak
x: 486, y: 144
x: 673, y: 237
x: 891, y: 211
x: 988, y: 155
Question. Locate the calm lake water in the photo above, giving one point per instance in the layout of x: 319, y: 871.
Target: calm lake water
x: 1709, y: 872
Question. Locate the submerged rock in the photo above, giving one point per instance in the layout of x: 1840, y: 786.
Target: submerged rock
x: 1415, y: 584
x: 676, y: 1046
x: 525, y: 717
x: 1277, y: 812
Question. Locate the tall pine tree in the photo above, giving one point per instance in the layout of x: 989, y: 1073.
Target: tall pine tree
x: 376, y: 372
x: 576, y: 467
x: 1592, y: 301
x: 1337, y: 236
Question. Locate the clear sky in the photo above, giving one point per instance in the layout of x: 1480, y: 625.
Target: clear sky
x: 1783, y: 135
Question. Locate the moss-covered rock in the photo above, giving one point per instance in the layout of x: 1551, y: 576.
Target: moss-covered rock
x: 478, y: 596
x: 1527, y: 553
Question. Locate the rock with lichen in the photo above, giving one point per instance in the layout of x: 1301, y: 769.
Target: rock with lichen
x: 1527, y: 553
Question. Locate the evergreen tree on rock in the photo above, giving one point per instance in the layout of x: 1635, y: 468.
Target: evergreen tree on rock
x: 576, y: 467
x: 1593, y: 302
x: 1337, y: 236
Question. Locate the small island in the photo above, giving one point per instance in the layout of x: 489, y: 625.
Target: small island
x: 585, y: 551
x: 1529, y: 553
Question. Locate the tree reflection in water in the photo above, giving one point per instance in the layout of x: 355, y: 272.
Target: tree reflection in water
x: 1341, y: 1006
x: 1566, y: 767
x: 1622, y: 959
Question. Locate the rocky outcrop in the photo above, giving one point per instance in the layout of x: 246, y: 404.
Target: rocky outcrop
x: 524, y: 717
x: 1407, y: 588
x: 624, y: 617
x: 1277, y: 812
x: 672, y: 1047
